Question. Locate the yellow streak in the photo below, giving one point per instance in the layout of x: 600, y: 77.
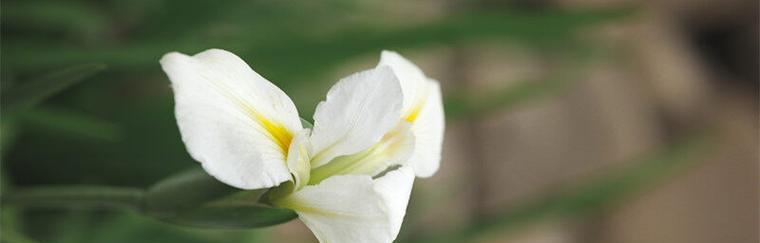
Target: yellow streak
x: 412, y: 114
x: 276, y: 131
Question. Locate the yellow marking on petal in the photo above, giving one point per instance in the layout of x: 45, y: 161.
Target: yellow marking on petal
x: 276, y: 131
x: 414, y: 112
x: 419, y: 103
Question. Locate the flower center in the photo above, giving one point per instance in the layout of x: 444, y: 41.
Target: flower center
x: 393, y: 148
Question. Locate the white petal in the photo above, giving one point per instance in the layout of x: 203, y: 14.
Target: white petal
x: 411, y: 78
x: 358, y: 111
x: 354, y: 208
x: 428, y: 132
x: 423, y: 108
x: 232, y: 120
x: 395, y: 188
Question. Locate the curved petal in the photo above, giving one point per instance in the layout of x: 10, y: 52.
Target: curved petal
x: 428, y: 132
x: 358, y: 111
x: 412, y: 79
x: 423, y: 108
x: 354, y: 208
x: 232, y: 120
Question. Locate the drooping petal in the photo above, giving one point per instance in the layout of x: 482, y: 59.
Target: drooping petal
x: 354, y: 208
x: 423, y: 108
x: 232, y: 120
x: 358, y: 111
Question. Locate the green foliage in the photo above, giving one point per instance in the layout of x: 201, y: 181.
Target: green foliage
x: 31, y: 93
x: 196, y: 199
x: 185, y: 191
x: 312, y: 54
x: 10, y: 231
x: 76, y: 196
x: 72, y: 123
x: 243, y: 216
x: 85, y: 226
x: 466, y: 105
x: 191, y: 198
x: 79, y: 19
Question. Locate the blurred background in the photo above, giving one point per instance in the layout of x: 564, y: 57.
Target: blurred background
x: 567, y: 120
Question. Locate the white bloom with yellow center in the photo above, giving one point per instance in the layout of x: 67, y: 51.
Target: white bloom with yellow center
x: 349, y: 177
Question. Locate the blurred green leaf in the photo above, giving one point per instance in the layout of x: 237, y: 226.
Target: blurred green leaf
x: 593, y: 196
x: 10, y: 231
x: 468, y: 105
x: 8, y: 133
x: 195, y: 198
x: 72, y: 123
x: 76, y: 196
x: 33, y: 92
x: 184, y: 191
x: 317, y: 54
x: 191, y: 198
x: 313, y: 54
x: 76, y: 221
x: 72, y: 17
x: 250, y: 215
x: 126, y: 227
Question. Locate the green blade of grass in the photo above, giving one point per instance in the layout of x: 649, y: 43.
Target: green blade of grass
x: 313, y: 54
x: 76, y: 18
x: 464, y: 105
x: 31, y: 93
x: 469, y: 104
x: 191, y: 198
x: 76, y: 196
x: 195, y: 198
x: 72, y: 123
x: 11, y: 231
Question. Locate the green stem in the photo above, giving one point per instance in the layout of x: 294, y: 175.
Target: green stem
x: 77, y: 196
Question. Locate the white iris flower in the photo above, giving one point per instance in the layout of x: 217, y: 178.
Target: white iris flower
x: 348, y: 178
